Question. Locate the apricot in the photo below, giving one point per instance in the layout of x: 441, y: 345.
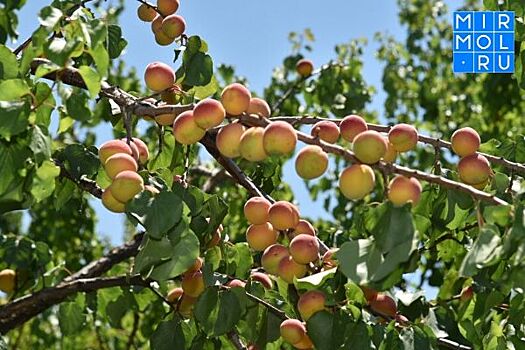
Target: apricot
x: 283, y: 215
x: 193, y: 284
x: 383, y: 305
x: 466, y: 294
x: 356, y: 181
x: 111, y: 203
x: 7, y: 280
x: 304, y: 67
x: 272, y: 256
x: 369, y: 146
x: 162, y: 39
x: 402, y: 190
x: 159, y: 76
x: 474, y: 169
x: 481, y: 185
x: 165, y: 119
x: 351, y: 126
x: 311, y: 162
x: 262, y: 278
x: 259, y: 107
x: 156, y: 25
x: 370, y: 294
x: 304, y: 344
x: 215, y: 238
x: 329, y: 260
x: 288, y: 269
x: 292, y: 330
x: 260, y: 237
x: 173, y: 26
x: 126, y: 185
x: 167, y: 7
x: 186, y: 305
x: 309, y: 303
x: 118, y: 163
x: 326, y: 130
x: 196, y: 265
x: 256, y: 210
x: 465, y: 141
x: 303, y: 227
x: 279, y: 138
x: 229, y: 139
x: 142, y: 148
x: 390, y: 154
x: 146, y: 13
x: 251, y: 146
x: 304, y: 249
x: 403, y: 137
x: 236, y: 284
x: 186, y: 130
x: 109, y: 148
x: 174, y: 295
x: 236, y: 99
x: 208, y: 113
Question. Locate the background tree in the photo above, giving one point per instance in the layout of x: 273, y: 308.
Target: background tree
x: 193, y: 273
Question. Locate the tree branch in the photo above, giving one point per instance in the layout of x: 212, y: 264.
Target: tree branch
x: 436, y: 142
x: 382, y: 166
x: 105, y: 263
x: 24, y: 308
x: 84, y: 184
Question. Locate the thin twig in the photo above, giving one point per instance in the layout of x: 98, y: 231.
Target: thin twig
x: 136, y: 322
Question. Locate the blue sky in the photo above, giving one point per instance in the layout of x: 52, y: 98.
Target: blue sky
x: 252, y: 36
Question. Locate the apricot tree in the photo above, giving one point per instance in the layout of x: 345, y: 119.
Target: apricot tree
x: 219, y: 255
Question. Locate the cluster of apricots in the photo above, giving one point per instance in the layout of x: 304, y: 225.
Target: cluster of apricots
x: 121, y: 163
x: 165, y: 24
x: 474, y: 169
x: 7, y: 280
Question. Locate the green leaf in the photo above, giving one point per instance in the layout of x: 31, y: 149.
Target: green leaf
x: 78, y: 105
x: 395, y: 227
x: 185, y: 249
x: 44, y: 180
x: 485, y: 250
x: 49, y: 16
x: 14, y: 118
x: 40, y: 145
x: 168, y: 335
x: 92, y: 80
x: 71, y: 317
x: 199, y: 70
x: 8, y: 64
x: 45, y: 101
x: 13, y: 89
x: 217, y: 312
x: 115, y: 41
x: 116, y: 309
x: 358, y: 260
x: 315, y: 280
x: 159, y: 213
x: 80, y: 160
x: 59, y: 50
x: 326, y: 329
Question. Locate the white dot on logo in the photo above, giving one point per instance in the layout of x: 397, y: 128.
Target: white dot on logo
x: 463, y: 62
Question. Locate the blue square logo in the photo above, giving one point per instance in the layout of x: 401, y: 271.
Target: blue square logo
x: 463, y: 21
x: 463, y: 62
x: 484, y: 62
x: 483, y: 41
x: 504, y: 21
x: 463, y: 42
x: 484, y: 21
x: 504, y: 42
x: 503, y: 62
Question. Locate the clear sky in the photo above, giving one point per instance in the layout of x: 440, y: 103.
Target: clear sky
x: 252, y: 36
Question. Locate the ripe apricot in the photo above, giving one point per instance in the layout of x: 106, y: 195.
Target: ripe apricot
x: 208, y: 113
x: 256, y: 210
x: 402, y: 190
x: 251, y: 146
x: 311, y: 162
x: 369, y: 147
x: 185, y: 129
x: 260, y: 237
x: 279, y: 138
x: 465, y: 141
x: 351, y: 126
x: 326, y: 130
x: 356, y: 181
x: 236, y: 99
x: 229, y: 139
x: 403, y: 137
